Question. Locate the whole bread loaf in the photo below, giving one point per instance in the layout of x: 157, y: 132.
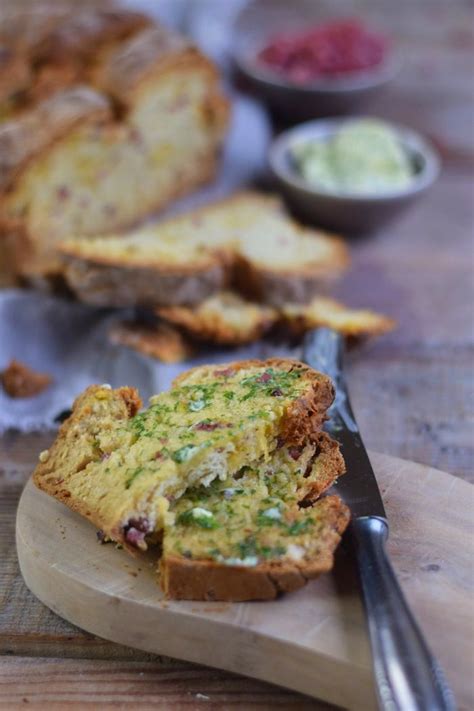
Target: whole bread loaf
x: 117, y: 117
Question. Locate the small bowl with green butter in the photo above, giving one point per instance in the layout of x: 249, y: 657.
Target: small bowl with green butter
x: 353, y: 174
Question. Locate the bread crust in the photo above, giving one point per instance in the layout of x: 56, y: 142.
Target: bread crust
x: 299, y: 285
x: 184, y: 579
x: 207, y: 323
x: 104, y: 285
x: 153, y: 51
x: 155, y: 340
x: 126, y: 402
x: 32, y: 133
x: 15, y: 73
x: 55, y: 47
x: 327, y: 312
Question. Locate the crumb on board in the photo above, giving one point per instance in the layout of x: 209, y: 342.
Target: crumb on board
x: 18, y: 380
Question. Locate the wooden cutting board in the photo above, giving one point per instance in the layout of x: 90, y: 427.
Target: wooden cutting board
x: 313, y: 640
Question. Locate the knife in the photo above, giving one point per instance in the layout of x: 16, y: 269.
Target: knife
x: 407, y: 676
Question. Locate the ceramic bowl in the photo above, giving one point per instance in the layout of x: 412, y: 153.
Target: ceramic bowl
x: 348, y: 212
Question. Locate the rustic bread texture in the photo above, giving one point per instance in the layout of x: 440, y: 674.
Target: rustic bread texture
x: 248, y: 537
x: 258, y: 246
x: 224, y: 318
x: 33, y: 132
x: 149, y: 130
x: 332, y: 314
x: 155, y: 340
x: 121, y: 470
x: 57, y: 46
x: 98, y: 418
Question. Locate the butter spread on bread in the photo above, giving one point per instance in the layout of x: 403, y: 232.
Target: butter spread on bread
x: 122, y: 469
x: 259, y: 532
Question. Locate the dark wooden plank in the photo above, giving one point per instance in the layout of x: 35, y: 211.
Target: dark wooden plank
x: 57, y: 683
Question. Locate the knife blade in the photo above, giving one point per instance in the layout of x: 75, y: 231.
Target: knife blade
x: 324, y: 350
x: 407, y: 675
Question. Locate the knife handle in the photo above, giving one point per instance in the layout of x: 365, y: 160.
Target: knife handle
x: 407, y: 676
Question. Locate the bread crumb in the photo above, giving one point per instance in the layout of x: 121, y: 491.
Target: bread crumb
x: 43, y: 457
x: 19, y: 380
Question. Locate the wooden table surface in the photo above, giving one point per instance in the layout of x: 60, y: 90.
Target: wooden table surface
x: 412, y: 391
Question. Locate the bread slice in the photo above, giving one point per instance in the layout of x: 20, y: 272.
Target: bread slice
x: 121, y: 469
x: 327, y: 312
x: 146, y: 130
x: 156, y: 340
x: 125, y: 271
x: 228, y: 318
x: 224, y: 318
x: 257, y: 533
x: 258, y: 245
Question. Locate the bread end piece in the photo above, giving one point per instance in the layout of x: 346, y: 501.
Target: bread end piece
x: 98, y: 407
x: 183, y: 579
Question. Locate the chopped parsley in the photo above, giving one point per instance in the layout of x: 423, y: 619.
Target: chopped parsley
x: 298, y: 527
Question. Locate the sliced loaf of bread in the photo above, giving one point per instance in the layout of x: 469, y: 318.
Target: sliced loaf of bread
x: 146, y: 127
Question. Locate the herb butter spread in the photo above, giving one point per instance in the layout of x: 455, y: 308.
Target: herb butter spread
x: 125, y: 472
x: 223, y: 471
x: 253, y: 516
x: 364, y: 157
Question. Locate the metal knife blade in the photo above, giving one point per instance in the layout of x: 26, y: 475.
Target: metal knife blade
x: 323, y: 350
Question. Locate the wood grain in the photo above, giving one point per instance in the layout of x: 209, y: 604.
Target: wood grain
x: 55, y: 683
x: 314, y: 640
